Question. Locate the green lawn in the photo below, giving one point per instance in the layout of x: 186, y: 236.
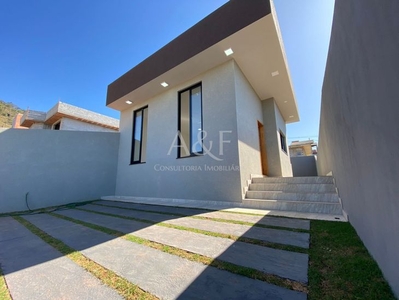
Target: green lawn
x: 340, y: 266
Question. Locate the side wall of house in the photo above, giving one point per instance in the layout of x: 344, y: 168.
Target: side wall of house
x: 38, y: 126
x: 74, y: 125
x: 359, y: 127
x: 249, y: 112
x: 286, y: 168
x: 278, y: 161
x: 48, y: 168
x: 213, y: 176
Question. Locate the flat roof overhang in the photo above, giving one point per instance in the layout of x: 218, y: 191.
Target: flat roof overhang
x: 249, y: 28
x: 58, y: 116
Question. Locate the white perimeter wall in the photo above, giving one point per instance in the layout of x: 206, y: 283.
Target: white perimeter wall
x: 219, y: 114
x: 74, y: 125
x: 55, y: 167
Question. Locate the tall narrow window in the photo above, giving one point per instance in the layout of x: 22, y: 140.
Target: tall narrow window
x: 139, y: 143
x: 190, y: 121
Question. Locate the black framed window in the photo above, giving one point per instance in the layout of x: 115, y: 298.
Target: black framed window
x: 139, y: 140
x: 190, y: 122
x: 283, y: 142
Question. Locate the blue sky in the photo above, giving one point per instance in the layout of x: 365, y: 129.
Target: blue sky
x: 71, y: 50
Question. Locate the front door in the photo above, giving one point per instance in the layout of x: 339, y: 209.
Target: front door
x: 262, y: 147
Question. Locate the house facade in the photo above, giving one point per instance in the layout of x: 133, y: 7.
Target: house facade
x: 303, y: 148
x: 208, y: 111
x: 63, y: 116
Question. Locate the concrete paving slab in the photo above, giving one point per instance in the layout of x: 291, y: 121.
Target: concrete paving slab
x: 225, y: 206
x: 164, y: 275
x: 278, y: 262
x: 291, y: 214
x: 298, y: 239
x: 271, y: 221
x: 35, y: 270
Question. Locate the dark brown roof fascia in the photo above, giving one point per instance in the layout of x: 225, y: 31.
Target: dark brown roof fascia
x: 225, y: 21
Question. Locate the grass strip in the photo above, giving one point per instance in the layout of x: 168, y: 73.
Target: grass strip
x: 221, y: 220
x: 222, y: 265
x: 209, y: 233
x: 125, y: 288
x: 252, y: 224
x: 340, y: 266
x: 4, y: 292
x: 46, y: 209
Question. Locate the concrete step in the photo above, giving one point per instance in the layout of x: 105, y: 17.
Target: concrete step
x: 301, y: 197
x: 293, y: 188
x: 295, y: 180
x: 295, y: 206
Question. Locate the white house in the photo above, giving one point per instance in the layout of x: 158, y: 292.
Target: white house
x: 63, y: 116
x: 207, y: 111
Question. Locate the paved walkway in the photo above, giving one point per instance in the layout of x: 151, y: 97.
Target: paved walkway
x: 35, y: 270
x: 162, y: 274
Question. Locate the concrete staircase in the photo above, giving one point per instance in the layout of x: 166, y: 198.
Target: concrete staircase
x: 298, y: 194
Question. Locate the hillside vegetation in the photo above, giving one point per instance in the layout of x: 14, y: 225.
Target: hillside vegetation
x: 7, y: 113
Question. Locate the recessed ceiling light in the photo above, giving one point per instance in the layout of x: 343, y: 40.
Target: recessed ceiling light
x: 129, y: 102
x: 275, y: 73
x: 291, y: 116
x: 164, y: 84
x: 285, y: 101
x: 228, y: 52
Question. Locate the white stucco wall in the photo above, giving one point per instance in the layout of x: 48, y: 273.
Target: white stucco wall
x: 249, y: 112
x: 74, y: 125
x: 165, y: 176
x: 37, y: 126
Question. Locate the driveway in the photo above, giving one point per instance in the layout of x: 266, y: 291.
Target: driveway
x: 166, y: 252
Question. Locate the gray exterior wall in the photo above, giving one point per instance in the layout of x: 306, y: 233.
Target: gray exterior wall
x: 304, y: 166
x: 55, y: 167
x: 278, y: 161
x: 359, y: 128
x: 165, y: 176
x: 249, y: 112
x: 286, y: 168
x: 229, y: 105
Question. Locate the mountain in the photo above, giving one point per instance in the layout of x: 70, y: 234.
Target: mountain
x: 7, y: 113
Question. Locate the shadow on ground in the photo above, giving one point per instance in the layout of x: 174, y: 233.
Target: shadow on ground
x: 160, y: 273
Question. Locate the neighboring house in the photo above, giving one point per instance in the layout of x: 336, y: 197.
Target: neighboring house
x: 64, y: 116
x: 359, y: 126
x: 303, y: 158
x: 207, y: 111
x: 16, y: 122
x: 303, y: 148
